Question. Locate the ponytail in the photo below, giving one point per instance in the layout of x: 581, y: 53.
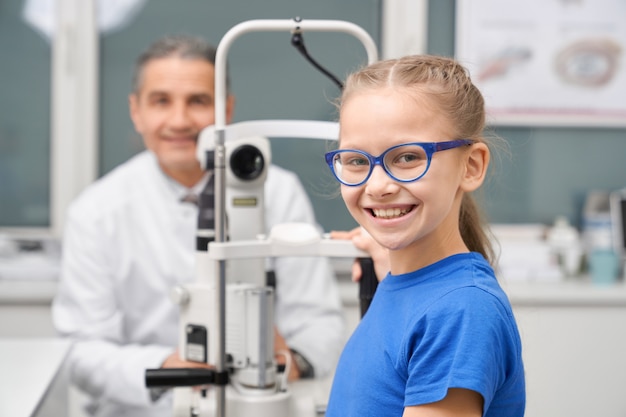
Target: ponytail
x: 474, y: 229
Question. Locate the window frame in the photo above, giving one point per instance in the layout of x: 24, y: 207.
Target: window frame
x: 404, y: 27
x: 74, y: 107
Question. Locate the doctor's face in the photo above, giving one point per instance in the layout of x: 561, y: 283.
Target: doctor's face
x: 174, y: 102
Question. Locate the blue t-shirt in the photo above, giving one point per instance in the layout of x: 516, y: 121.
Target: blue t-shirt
x: 448, y: 325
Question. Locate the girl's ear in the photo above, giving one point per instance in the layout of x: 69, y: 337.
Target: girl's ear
x: 476, y: 163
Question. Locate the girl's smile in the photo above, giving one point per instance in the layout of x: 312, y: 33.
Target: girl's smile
x: 391, y: 213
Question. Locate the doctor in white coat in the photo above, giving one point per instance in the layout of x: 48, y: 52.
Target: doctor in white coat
x: 129, y: 240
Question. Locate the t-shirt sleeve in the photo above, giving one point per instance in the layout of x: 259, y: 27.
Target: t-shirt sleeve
x: 463, y: 341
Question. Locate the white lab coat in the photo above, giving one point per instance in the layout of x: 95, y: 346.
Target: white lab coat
x: 128, y: 241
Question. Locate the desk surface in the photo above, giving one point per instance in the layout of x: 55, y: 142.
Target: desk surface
x: 574, y: 291
x: 28, y: 367
x: 570, y: 292
x: 38, y: 292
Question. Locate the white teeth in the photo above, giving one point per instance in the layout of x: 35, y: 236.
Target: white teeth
x: 390, y: 213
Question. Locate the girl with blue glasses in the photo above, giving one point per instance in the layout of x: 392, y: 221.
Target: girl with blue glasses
x: 439, y: 338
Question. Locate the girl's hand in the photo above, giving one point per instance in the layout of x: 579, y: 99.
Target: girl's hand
x: 362, y: 240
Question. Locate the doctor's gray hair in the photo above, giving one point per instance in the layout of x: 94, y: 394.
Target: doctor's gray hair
x: 180, y: 46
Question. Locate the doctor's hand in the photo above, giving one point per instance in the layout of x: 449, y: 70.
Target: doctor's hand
x: 280, y: 350
x: 362, y: 240
x: 174, y: 361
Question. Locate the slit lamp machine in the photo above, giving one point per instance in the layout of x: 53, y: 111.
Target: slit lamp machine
x: 227, y: 313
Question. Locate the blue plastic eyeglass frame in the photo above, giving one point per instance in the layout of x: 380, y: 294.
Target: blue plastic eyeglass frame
x: 429, y: 147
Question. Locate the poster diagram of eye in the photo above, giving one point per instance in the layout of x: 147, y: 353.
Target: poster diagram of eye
x: 546, y: 62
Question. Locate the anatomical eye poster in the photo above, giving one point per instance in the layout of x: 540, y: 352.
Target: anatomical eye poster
x: 546, y: 62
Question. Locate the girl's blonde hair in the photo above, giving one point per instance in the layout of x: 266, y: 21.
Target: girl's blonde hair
x: 445, y: 84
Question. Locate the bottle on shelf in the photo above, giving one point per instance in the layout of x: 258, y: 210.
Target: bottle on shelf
x: 564, y: 240
x: 602, y: 260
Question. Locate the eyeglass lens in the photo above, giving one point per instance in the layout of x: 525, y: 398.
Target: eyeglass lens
x: 406, y: 162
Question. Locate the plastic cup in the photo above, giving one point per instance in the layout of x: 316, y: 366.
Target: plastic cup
x: 603, y: 267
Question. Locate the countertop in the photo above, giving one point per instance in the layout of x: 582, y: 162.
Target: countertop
x: 569, y: 291
x: 23, y: 389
